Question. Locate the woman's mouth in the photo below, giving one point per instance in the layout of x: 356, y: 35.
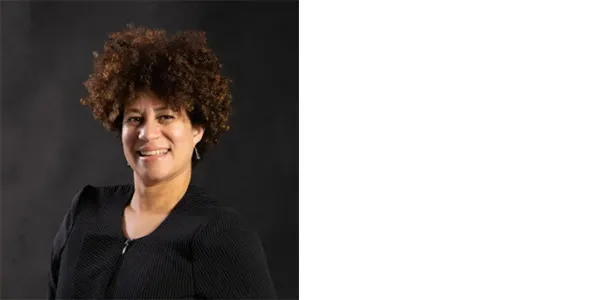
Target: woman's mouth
x: 154, y: 154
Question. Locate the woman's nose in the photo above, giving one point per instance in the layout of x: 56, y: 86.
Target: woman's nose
x: 150, y: 130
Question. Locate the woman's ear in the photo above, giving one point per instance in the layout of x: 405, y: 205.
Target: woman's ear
x: 197, y: 133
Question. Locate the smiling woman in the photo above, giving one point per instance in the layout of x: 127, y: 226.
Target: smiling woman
x: 158, y: 141
x: 161, y: 236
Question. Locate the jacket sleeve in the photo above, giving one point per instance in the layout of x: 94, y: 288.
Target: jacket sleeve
x: 60, y: 240
x: 229, y: 261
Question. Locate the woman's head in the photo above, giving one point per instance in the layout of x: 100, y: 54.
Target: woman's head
x: 142, y: 70
x: 158, y: 141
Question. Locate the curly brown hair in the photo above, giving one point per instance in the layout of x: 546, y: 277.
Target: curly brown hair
x: 180, y: 69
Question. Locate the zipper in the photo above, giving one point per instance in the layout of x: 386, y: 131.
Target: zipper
x: 110, y: 287
x: 127, y: 241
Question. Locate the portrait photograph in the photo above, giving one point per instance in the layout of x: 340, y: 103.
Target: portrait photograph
x: 150, y: 150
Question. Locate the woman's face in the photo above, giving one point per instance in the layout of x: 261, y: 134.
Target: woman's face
x: 157, y: 142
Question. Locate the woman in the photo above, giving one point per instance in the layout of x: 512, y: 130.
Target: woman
x: 160, y: 237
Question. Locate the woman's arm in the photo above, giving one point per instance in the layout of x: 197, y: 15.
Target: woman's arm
x: 60, y: 239
x: 229, y: 261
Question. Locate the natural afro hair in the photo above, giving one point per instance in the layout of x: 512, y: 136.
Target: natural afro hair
x: 181, y: 70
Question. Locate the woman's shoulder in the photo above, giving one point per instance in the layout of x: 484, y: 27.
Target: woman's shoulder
x: 93, y: 195
x: 97, y: 192
x: 213, y: 213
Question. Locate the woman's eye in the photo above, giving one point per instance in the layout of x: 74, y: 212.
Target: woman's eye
x: 166, y: 117
x: 134, y: 119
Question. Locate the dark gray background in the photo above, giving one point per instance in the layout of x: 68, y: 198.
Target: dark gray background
x: 51, y: 146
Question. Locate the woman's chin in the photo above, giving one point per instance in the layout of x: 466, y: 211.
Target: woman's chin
x: 153, y: 175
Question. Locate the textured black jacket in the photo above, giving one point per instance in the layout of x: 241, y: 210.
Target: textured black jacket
x: 201, y: 250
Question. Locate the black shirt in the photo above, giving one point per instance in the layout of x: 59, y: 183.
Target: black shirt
x: 201, y: 250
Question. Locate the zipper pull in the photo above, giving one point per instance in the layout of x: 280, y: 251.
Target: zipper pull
x: 125, y: 247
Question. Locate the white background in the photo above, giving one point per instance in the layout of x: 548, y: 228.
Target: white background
x: 449, y: 150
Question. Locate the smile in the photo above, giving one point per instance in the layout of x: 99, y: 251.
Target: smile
x: 154, y: 154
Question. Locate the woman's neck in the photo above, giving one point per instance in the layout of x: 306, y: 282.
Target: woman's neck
x: 159, y: 197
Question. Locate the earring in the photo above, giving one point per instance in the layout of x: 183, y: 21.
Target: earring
x: 197, y: 154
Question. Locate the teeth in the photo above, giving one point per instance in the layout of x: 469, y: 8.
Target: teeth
x: 155, y: 152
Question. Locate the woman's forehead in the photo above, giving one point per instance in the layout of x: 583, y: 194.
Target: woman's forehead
x: 142, y: 103
x: 145, y: 100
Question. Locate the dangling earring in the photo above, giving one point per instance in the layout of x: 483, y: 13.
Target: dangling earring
x: 197, y: 154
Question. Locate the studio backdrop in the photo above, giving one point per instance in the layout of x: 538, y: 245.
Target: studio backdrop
x: 51, y: 146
